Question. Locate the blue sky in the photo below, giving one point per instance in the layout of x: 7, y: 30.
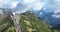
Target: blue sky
x: 48, y: 10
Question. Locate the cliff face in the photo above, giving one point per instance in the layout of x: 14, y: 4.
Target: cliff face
x: 28, y: 21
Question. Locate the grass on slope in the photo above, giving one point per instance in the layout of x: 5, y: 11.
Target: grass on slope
x: 31, y: 23
x: 28, y: 22
x: 6, y: 25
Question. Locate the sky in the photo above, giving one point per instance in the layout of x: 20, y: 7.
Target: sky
x: 26, y: 4
x: 48, y: 10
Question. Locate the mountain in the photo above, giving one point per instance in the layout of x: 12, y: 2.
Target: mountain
x: 49, y: 16
x: 6, y: 25
x: 28, y: 21
x: 4, y: 12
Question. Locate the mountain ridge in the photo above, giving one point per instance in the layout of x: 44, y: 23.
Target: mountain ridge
x: 29, y: 23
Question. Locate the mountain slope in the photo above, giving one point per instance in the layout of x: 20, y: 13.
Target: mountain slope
x: 29, y: 23
x: 6, y: 25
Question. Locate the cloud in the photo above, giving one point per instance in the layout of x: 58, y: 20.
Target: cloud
x: 7, y: 3
x: 57, y: 11
x: 56, y: 16
x: 38, y: 6
x: 3, y: 2
x: 28, y: 1
x: 14, y: 4
x: 57, y: 1
x: 54, y: 7
x: 34, y: 5
x: 1, y: 12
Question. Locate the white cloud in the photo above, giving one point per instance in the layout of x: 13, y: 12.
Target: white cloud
x: 3, y: 2
x: 38, y: 5
x: 7, y: 3
x: 14, y: 4
x: 56, y: 16
x: 35, y: 5
x: 41, y: 14
x: 28, y: 1
x: 24, y: 9
x: 57, y: 11
x: 1, y: 12
x: 57, y: 0
x: 56, y: 7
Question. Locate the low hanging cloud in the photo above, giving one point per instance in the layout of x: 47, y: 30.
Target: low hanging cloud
x: 56, y: 9
x: 14, y: 4
x: 34, y: 5
x: 56, y: 16
x: 8, y: 3
x: 29, y: 4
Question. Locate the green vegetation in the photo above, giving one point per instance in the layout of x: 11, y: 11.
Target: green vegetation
x: 28, y: 22
x: 6, y: 25
x: 31, y: 23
